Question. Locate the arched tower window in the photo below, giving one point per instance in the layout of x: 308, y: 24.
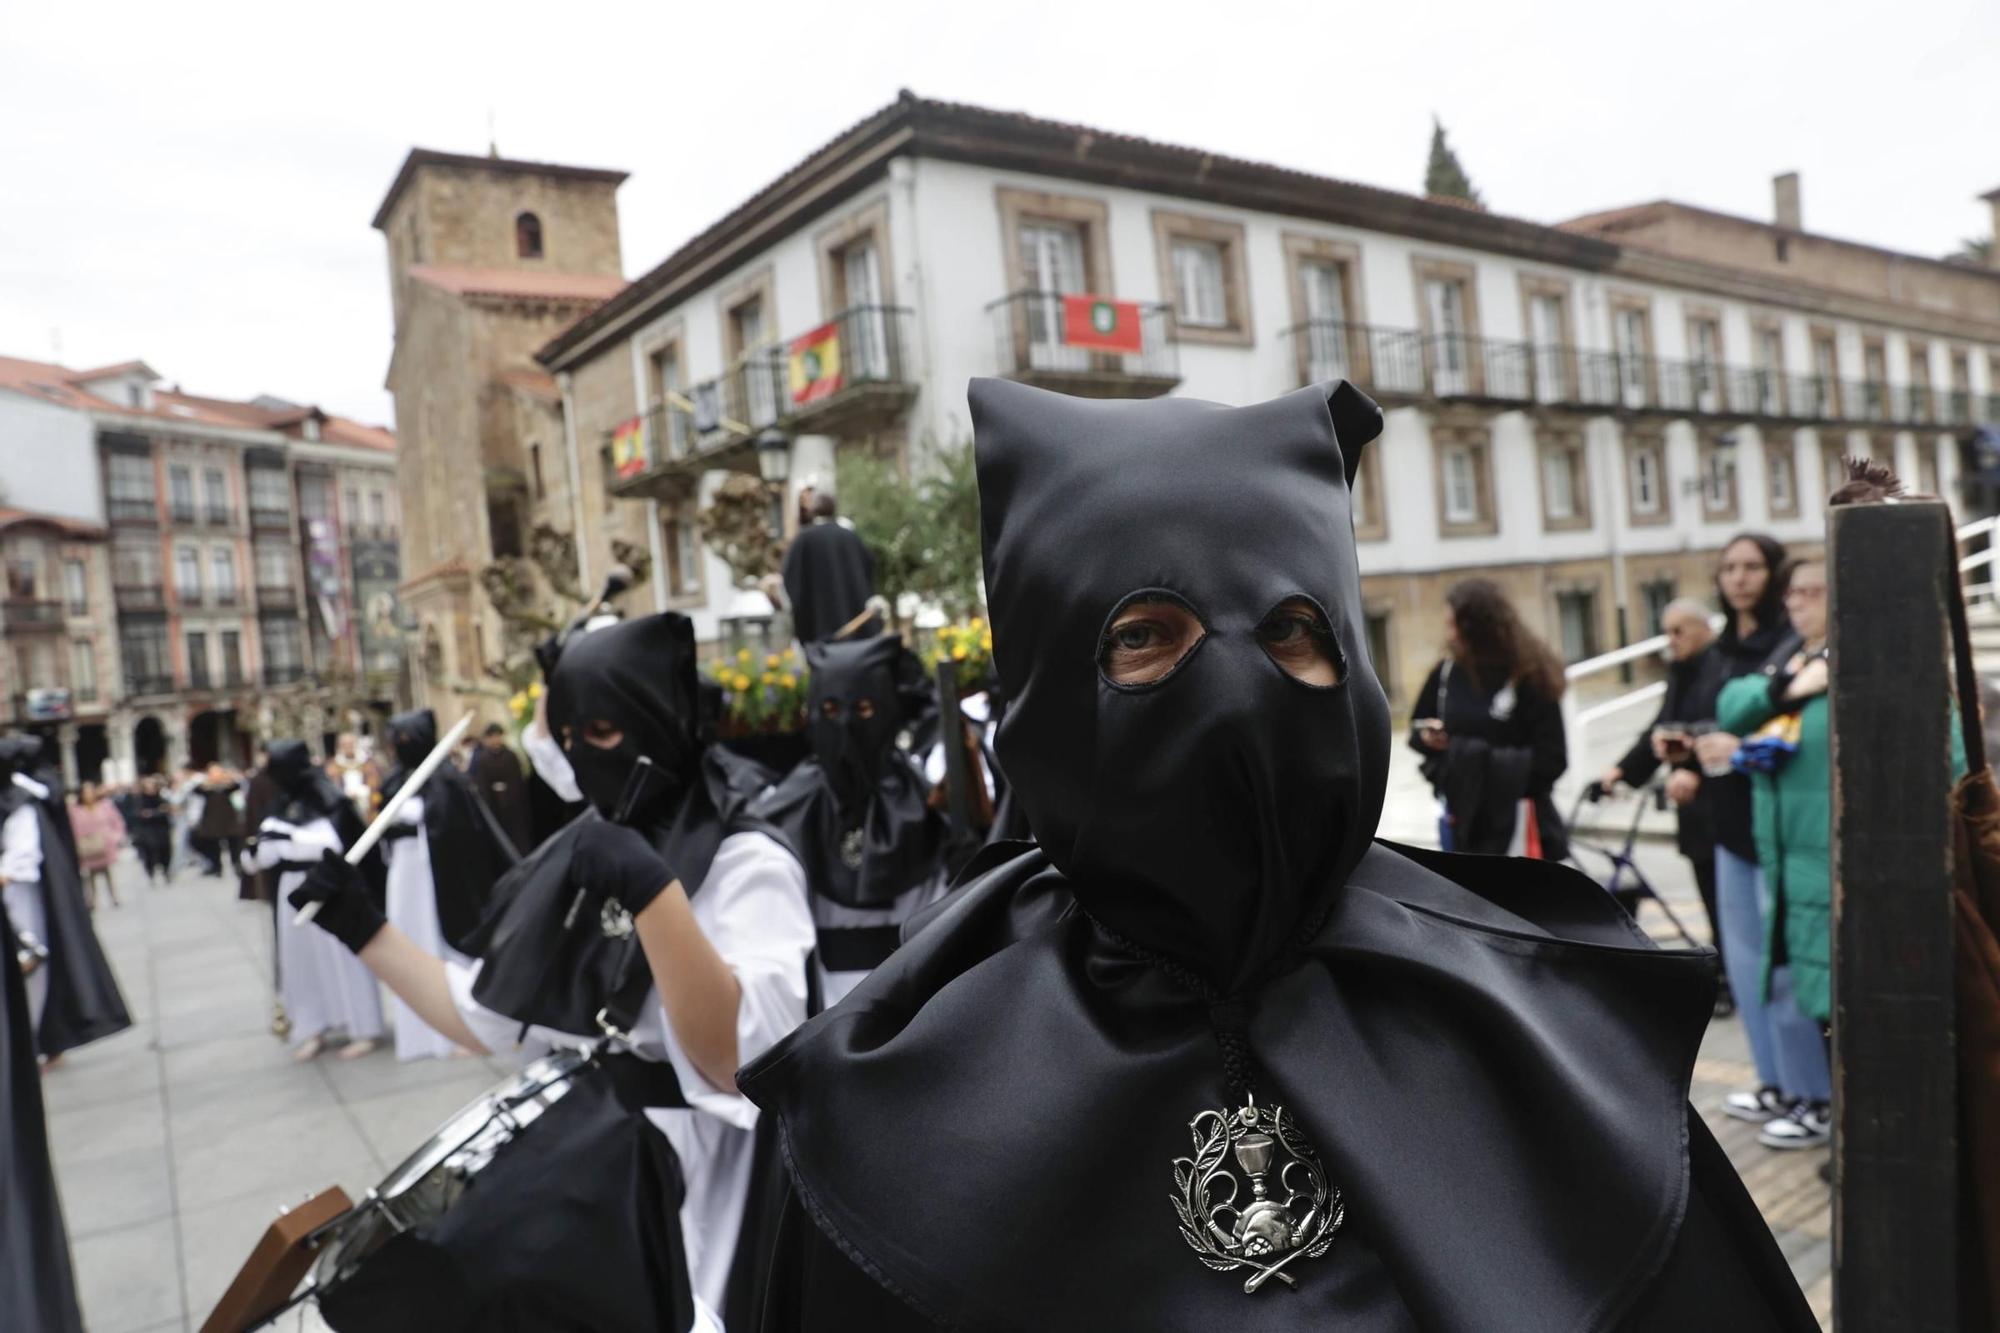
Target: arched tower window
x: 528, y: 236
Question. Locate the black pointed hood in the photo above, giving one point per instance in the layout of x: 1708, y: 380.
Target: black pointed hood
x: 1210, y: 814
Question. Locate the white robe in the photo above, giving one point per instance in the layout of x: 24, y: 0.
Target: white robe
x: 753, y: 910
x: 324, y: 987
x: 21, y: 867
x: 830, y: 915
x: 413, y: 910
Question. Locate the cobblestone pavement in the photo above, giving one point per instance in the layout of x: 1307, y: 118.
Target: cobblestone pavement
x: 176, y: 1143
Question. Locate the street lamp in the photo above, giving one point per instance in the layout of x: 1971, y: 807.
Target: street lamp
x: 774, y: 457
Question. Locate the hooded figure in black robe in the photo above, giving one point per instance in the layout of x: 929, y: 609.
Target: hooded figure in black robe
x: 306, y: 793
x: 30, y: 757
x: 84, y: 1002
x: 855, y: 810
x: 829, y: 577
x: 469, y: 851
x: 576, y: 1225
x: 1115, y: 1081
x: 37, y: 1285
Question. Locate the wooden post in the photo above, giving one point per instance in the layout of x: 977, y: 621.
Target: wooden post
x: 1896, y: 1208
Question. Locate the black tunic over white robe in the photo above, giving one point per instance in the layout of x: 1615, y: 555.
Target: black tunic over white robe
x: 829, y: 577
x: 1490, y: 1060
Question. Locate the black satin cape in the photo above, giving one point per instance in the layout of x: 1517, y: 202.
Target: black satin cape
x: 573, y: 1228
x: 470, y: 852
x: 37, y: 1285
x: 84, y: 1002
x: 858, y: 781
x: 538, y: 972
x: 1491, y: 1060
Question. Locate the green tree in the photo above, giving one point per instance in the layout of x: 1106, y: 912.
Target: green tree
x: 1444, y: 176
x: 1975, y: 250
x: 923, y: 533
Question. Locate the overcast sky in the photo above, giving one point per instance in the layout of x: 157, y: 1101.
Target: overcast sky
x: 192, y: 183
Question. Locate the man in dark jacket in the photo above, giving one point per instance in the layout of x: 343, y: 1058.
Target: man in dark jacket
x: 496, y: 772
x: 1693, y: 676
x: 829, y: 575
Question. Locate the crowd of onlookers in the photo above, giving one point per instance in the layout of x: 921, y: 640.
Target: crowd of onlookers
x: 202, y: 817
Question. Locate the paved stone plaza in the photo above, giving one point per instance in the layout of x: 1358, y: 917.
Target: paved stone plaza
x: 177, y: 1142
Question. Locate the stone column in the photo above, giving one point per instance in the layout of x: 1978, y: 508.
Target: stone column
x: 66, y: 753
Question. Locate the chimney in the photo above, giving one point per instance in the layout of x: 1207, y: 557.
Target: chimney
x: 1992, y: 198
x: 1785, y: 201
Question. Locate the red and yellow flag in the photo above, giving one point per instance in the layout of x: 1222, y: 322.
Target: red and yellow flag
x: 815, y: 368
x: 1101, y: 323
x: 628, y: 448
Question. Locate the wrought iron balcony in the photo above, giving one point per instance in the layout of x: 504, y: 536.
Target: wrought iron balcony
x: 139, y: 596
x: 141, y: 686
x: 31, y: 613
x: 1408, y: 363
x: 1031, y: 342
x: 277, y: 597
x: 219, y: 517
x: 182, y: 515
x: 270, y: 519
x: 132, y: 509
x: 223, y: 597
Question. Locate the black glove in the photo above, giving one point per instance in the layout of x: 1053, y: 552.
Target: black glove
x: 613, y: 861
x: 346, y: 911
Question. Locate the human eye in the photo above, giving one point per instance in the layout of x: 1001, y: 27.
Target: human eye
x: 1299, y: 640
x: 1146, y: 640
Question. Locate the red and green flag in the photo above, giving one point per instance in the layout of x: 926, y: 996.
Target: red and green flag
x: 1100, y: 323
x: 628, y: 448
x: 815, y: 364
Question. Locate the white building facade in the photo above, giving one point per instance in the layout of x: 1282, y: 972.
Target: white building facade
x: 1585, y: 413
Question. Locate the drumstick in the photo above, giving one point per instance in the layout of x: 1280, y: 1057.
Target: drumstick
x: 411, y: 786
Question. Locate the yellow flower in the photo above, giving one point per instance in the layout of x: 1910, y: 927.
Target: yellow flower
x: 743, y: 655
x: 986, y: 641
x: 535, y: 690
x: 788, y: 680
x: 974, y: 623
x: 958, y: 653
x: 742, y: 681
x: 771, y: 662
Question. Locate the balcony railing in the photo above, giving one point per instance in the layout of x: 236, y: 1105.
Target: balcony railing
x: 1031, y: 343
x: 21, y: 613
x: 140, y: 686
x: 219, y: 517
x: 181, y: 514
x: 223, y: 597
x: 132, y: 509
x: 1407, y: 362
x: 139, y: 596
x: 270, y: 519
x: 283, y: 675
x: 281, y: 597
x: 198, y: 678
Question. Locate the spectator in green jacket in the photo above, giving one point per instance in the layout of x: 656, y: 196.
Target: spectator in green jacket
x: 1782, y: 714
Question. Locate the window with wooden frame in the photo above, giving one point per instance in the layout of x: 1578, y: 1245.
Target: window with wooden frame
x: 1202, y: 277
x: 666, y: 375
x: 1718, y: 477
x: 1833, y: 454
x: 1825, y: 403
x: 749, y: 332
x: 1767, y: 363
x: 1649, y: 497
x: 1874, y: 379
x: 1448, y: 304
x: 1705, y: 359
x: 855, y: 279
x: 1551, y: 341
x: 1781, y: 477
x: 1577, y: 621
x: 1367, y: 501
x: 1564, y: 471
x: 1462, y: 462
x: 1053, y: 245
x: 1927, y: 466
x: 1381, y: 621
x: 1961, y: 386
x: 1632, y: 339
x: 1920, y: 381
x: 1328, y: 313
x: 680, y: 539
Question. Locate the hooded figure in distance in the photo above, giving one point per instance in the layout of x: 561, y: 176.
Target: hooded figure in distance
x: 72, y: 996
x: 441, y: 858
x: 855, y: 810
x: 1227, y: 1061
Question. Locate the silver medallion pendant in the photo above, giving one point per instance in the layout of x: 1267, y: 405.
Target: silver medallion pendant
x: 851, y: 844
x: 1291, y: 1210
x: 614, y: 920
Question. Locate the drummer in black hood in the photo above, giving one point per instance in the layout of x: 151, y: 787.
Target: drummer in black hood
x: 441, y: 858
x: 856, y: 809
x: 1211, y: 1056
x: 666, y: 913
x: 72, y: 996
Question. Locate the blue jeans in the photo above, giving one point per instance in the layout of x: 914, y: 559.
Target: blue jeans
x: 1785, y: 1045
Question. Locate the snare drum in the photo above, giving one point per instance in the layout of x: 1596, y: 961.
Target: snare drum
x: 431, y: 1179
